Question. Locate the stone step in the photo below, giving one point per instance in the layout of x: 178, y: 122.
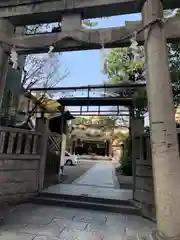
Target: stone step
x: 124, y: 209
x: 87, y: 198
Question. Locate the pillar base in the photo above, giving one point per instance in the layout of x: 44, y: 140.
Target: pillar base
x: 159, y: 236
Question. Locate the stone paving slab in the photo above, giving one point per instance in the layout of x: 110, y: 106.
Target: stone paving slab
x: 81, y: 235
x: 90, y: 219
x: 16, y: 236
x: 11, y: 227
x: 45, y: 238
x: 58, y: 223
x: 73, y: 225
x: 51, y: 229
x: 28, y: 219
x: 91, y: 191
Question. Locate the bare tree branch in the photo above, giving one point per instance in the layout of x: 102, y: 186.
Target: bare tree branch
x: 42, y: 70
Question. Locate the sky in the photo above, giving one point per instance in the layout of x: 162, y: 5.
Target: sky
x: 84, y: 67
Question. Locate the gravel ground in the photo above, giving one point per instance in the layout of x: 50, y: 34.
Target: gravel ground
x: 71, y: 173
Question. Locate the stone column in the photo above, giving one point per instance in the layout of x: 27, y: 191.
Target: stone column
x: 165, y: 153
x: 71, y: 22
x: 7, y: 28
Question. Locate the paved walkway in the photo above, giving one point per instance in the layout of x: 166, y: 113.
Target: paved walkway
x: 100, y: 181
x: 101, y: 175
x: 34, y: 222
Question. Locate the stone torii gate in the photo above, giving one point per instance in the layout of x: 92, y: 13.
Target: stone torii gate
x: 165, y: 153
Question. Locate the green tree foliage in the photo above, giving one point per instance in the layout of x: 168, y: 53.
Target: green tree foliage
x: 126, y: 164
x: 122, y: 66
x: 80, y: 120
x: 174, y: 65
x: 174, y: 61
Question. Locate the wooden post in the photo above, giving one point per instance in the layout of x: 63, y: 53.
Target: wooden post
x: 165, y: 153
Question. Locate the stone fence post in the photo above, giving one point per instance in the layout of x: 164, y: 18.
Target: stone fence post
x: 137, y: 128
x: 42, y: 127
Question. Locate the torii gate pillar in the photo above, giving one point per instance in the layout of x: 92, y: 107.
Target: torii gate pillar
x: 165, y: 153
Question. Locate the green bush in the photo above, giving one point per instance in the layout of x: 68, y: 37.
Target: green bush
x: 126, y: 164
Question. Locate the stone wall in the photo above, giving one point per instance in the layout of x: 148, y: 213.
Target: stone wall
x: 18, y: 178
x: 19, y: 164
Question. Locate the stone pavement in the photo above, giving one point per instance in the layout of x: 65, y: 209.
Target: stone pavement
x: 100, y: 175
x: 99, y: 181
x: 39, y: 222
x: 90, y: 191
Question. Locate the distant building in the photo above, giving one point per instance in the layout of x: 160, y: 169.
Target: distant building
x: 88, y: 140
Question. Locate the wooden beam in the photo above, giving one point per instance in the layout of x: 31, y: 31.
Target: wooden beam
x: 26, y: 12
x: 89, y: 39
